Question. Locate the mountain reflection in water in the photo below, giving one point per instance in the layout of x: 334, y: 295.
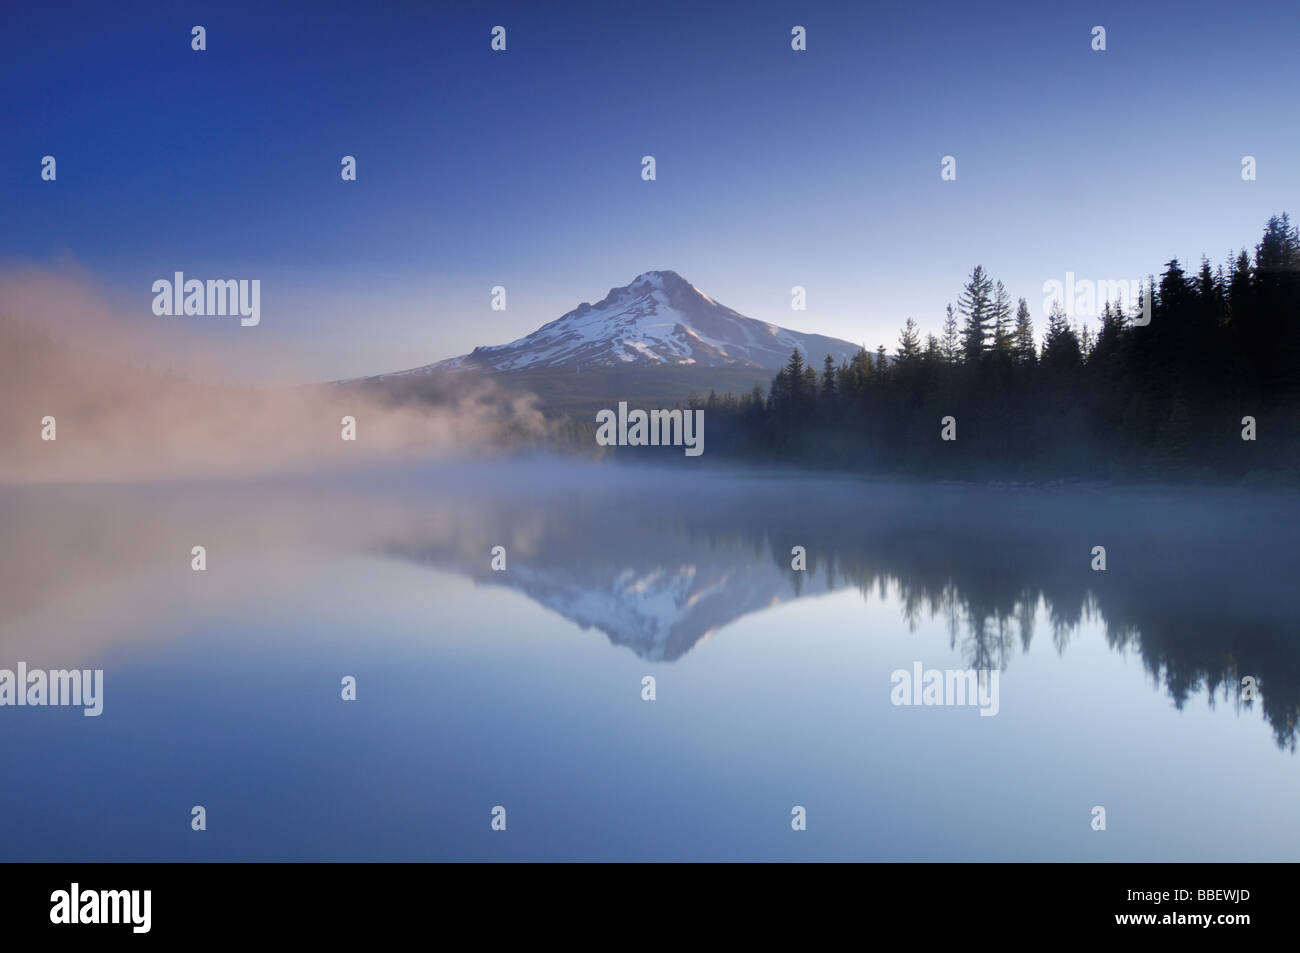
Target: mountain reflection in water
x: 1200, y: 585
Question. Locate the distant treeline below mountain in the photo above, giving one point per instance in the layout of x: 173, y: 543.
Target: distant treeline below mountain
x: 1164, y: 399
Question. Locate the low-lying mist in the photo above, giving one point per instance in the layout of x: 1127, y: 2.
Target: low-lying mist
x: 67, y: 354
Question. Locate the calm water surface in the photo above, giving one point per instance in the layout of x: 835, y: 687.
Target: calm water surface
x: 523, y: 688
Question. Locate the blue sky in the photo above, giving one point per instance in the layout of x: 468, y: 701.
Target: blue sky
x: 522, y: 168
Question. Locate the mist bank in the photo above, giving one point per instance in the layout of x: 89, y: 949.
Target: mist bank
x: 76, y: 413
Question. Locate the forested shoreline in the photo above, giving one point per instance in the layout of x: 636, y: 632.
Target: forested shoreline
x: 1115, y: 398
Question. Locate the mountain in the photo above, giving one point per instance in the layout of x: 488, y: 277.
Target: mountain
x: 659, y: 320
x: 654, y: 342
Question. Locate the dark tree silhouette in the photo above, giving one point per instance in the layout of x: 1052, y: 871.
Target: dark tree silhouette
x: 1116, y: 396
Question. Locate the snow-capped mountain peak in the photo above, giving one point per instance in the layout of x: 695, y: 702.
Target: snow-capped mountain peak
x: 659, y: 319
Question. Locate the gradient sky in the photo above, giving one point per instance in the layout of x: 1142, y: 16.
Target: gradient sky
x: 522, y: 168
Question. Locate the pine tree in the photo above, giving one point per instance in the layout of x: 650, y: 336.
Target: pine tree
x: 794, y: 376
x: 950, y: 343
x: 1023, y: 350
x: 909, y: 342
x: 1278, y: 252
x: 829, y: 391
x: 976, y: 306
x: 1084, y: 336
x: 1060, y: 345
x: 1276, y: 294
x: 1206, y: 285
x: 1175, y: 288
x: 778, y: 393
x: 859, y: 372
x: 1001, y: 320
x: 1106, y: 345
x: 1239, y: 287
x: 809, y: 388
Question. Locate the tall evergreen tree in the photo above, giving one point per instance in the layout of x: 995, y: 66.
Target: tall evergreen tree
x: 809, y: 388
x: 1001, y: 321
x: 830, y: 391
x: 1105, y: 349
x: 950, y: 343
x: 1060, y: 344
x: 1023, y: 349
x: 794, y: 373
x: 976, y: 306
x: 1084, y: 336
x: 1239, y: 285
x: 1176, y: 290
x: 909, y: 342
x: 859, y: 371
x: 1276, y: 303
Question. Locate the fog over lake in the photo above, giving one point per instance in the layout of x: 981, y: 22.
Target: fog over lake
x: 523, y: 687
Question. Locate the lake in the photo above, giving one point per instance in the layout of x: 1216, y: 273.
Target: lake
x: 775, y: 688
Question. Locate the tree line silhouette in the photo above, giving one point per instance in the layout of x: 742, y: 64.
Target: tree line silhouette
x: 1164, y: 398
